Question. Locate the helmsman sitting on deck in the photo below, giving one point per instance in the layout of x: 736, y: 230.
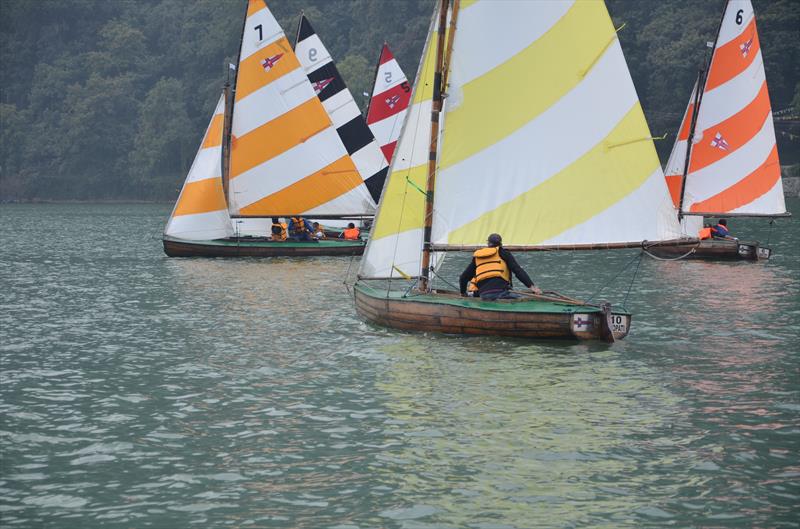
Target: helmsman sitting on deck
x: 490, y: 269
x: 720, y: 231
x: 278, y: 230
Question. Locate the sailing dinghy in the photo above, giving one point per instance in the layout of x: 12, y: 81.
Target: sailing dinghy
x: 271, y: 151
x: 542, y: 163
x: 724, y: 162
x: 388, y: 103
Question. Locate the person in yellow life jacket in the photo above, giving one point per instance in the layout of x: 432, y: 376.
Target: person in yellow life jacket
x: 300, y: 229
x: 491, y: 268
x: 319, y: 231
x: 278, y: 230
x: 351, y: 233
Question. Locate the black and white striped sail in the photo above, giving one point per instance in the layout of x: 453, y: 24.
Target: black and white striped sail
x: 342, y: 109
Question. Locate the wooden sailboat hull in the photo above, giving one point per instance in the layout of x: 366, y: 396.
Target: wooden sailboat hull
x: 451, y: 314
x: 256, y: 247
x: 715, y: 249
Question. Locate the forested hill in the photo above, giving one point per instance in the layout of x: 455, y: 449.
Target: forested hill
x: 108, y: 99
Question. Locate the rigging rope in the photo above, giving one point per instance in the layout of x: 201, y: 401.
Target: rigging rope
x: 637, y: 256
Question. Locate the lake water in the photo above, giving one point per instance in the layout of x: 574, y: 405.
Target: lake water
x: 143, y: 391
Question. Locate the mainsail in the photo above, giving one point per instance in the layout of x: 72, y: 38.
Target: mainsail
x: 543, y: 140
x: 201, y: 212
x: 343, y: 111
x: 286, y: 155
x: 388, y: 104
x: 733, y: 160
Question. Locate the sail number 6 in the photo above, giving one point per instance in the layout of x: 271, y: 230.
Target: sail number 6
x: 739, y: 17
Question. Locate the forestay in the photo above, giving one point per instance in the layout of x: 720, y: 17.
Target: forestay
x: 286, y: 156
x: 734, y: 166
x: 543, y: 141
x: 342, y: 109
x: 201, y: 212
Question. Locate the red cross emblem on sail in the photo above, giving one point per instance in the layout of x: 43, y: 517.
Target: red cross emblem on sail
x: 320, y: 85
x: 745, y: 47
x: 719, y: 142
x: 269, y: 62
x: 392, y: 101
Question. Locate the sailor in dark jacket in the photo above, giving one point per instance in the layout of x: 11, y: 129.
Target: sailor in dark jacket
x: 490, y: 269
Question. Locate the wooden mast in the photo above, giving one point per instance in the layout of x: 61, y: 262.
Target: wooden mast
x: 227, y: 122
x: 698, y: 99
x: 436, y: 110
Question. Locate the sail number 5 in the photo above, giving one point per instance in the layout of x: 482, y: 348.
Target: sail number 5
x: 619, y: 323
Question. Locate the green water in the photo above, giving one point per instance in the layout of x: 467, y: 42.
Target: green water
x: 142, y: 391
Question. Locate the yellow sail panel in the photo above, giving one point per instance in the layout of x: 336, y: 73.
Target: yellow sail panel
x: 574, y: 195
x: 201, y: 212
x: 529, y: 82
x: 282, y: 138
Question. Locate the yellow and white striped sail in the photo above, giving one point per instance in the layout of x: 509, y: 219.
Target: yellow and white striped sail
x: 396, y: 237
x: 286, y: 157
x: 201, y: 212
x: 543, y: 139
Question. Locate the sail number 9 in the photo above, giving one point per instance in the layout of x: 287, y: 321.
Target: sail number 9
x: 619, y: 323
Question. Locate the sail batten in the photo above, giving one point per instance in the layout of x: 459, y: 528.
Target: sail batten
x: 733, y: 160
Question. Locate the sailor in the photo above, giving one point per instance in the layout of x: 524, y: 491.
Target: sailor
x: 278, y: 230
x: 319, y: 231
x: 300, y: 229
x: 490, y: 269
x: 704, y: 233
x: 351, y: 233
x: 720, y: 231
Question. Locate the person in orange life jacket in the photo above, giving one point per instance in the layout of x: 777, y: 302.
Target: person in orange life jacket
x: 720, y: 231
x: 319, y: 231
x: 704, y: 233
x: 278, y: 230
x: 351, y: 233
x: 491, y: 268
x: 300, y: 229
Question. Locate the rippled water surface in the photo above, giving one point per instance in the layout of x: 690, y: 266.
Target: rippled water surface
x: 142, y: 391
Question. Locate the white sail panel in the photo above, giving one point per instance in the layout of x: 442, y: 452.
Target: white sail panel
x: 201, y: 212
x: 535, y: 161
x: 278, y: 121
x: 673, y: 171
x: 734, y: 165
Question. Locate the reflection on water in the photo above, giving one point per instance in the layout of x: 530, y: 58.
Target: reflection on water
x: 141, y: 391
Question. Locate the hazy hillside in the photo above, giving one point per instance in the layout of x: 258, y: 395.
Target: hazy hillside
x: 109, y: 99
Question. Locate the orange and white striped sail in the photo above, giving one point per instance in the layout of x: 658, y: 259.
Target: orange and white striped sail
x: 543, y: 141
x: 286, y: 156
x: 733, y: 165
x: 201, y: 212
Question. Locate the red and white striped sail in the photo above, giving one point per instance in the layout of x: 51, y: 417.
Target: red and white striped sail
x: 733, y: 163
x: 391, y: 94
